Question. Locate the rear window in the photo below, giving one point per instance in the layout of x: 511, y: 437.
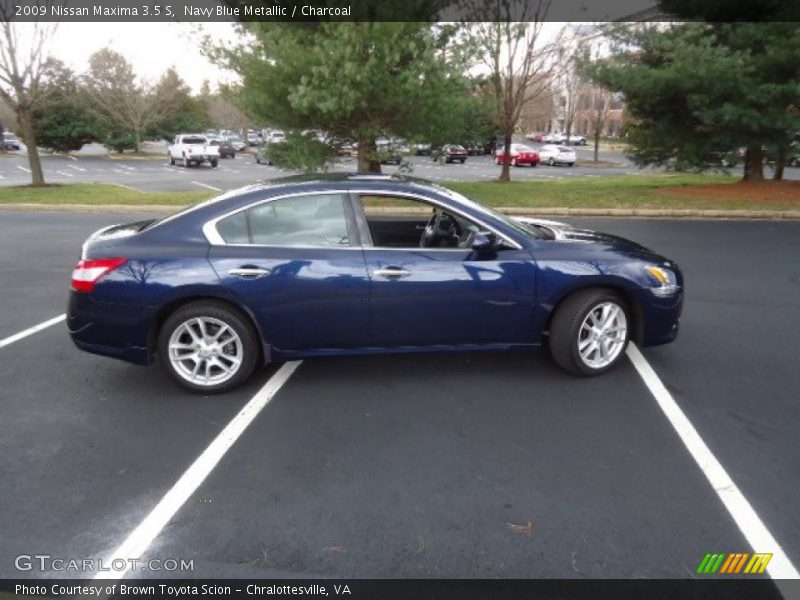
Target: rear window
x: 312, y: 220
x: 564, y: 149
x: 194, y: 140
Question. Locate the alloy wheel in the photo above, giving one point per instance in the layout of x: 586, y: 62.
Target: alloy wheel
x: 602, y: 335
x: 205, y: 351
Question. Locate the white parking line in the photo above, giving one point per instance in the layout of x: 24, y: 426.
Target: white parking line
x: 76, y: 168
x: 21, y: 168
x: 205, y: 185
x: 71, y: 157
x: 65, y: 174
x: 749, y: 523
x: 31, y: 330
x: 137, y: 543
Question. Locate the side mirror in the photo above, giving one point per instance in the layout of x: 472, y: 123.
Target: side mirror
x: 484, y: 241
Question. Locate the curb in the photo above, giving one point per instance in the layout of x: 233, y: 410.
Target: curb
x: 557, y: 211
x: 91, y: 208
x: 654, y: 213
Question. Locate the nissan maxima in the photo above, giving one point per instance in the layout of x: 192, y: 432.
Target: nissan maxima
x: 361, y: 264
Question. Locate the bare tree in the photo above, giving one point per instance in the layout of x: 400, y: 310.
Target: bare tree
x: 599, y: 106
x: 572, y: 84
x: 224, y: 113
x: 122, y: 100
x: 23, y: 62
x: 520, y: 64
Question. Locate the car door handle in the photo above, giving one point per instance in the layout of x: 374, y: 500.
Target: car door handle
x: 391, y: 272
x: 248, y: 272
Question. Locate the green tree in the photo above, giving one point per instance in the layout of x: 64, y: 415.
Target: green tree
x: 62, y: 121
x: 354, y: 81
x: 185, y: 112
x: 696, y: 91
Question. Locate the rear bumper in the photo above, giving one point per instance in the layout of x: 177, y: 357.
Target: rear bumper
x: 113, y: 330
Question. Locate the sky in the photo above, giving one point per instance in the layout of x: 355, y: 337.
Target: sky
x: 153, y: 47
x: 150, y: 47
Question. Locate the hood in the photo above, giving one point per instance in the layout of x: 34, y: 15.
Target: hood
x: 564, y: 232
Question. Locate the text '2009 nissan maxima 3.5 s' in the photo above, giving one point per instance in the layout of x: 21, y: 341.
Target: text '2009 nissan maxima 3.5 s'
x: 356, y: 264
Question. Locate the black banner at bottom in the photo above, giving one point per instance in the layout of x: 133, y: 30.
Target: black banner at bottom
x: 403, y: 589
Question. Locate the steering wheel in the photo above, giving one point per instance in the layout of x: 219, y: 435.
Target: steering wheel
x: 441, y: 230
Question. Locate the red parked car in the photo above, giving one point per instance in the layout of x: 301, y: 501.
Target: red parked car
x: 518, y: 156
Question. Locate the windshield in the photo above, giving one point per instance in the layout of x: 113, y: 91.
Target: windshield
x: 530, y: 232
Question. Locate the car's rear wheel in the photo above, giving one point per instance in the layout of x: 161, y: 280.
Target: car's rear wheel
x: 171, y: 159
x: 186, y: 161
x: 214, y: 163
x: 589, y: 332
x: 551, y: 162
x: 207, y: 347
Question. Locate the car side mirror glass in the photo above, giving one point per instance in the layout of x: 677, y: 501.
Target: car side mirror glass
x: 484, y: 241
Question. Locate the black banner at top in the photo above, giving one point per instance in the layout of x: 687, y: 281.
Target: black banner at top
x: 329, y: 10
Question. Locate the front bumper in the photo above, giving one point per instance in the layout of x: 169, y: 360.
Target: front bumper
x: 659, y: 317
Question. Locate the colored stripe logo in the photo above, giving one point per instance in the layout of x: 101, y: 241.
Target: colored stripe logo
x: 734, y: 563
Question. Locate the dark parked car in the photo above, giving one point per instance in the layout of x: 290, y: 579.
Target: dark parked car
x: 451, y: 153
x: 338, y: 264
x: 226, y: 149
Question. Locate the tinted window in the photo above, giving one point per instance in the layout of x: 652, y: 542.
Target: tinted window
x: 234, y: 229
x: 194, y: 140
x: 317, y: 220
x: 399, y: 223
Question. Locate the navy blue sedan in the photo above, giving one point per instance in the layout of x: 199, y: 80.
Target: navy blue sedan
x: 357, y: 264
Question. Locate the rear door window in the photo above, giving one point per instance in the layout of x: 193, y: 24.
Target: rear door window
x: 314, y: 220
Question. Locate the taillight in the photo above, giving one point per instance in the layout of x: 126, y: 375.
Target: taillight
x: 88, y: 272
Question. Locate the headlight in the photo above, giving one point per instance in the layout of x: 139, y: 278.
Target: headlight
x: 664, y: 281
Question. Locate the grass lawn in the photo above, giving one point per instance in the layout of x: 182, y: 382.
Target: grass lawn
x: 96, y: 193
x: 659, y: 191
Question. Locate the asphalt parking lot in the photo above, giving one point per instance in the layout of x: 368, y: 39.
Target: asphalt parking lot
x: 158, y: 175
x: 461, y: 465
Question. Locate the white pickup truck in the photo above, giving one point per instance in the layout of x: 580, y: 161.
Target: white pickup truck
x: 192, y: 149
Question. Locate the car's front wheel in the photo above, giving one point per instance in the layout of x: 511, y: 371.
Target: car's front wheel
x: 589, y: 332
x: 207, y: 347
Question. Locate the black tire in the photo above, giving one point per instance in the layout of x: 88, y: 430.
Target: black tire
x: 552, y: 162
x: 258, y: 160
x: 186, y: 162
x: 534, y: 164
x: 229, y: 316
x: 566, y: 324
x: 570, y: 164
x: 214, y: 163
x: 171, y: 160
